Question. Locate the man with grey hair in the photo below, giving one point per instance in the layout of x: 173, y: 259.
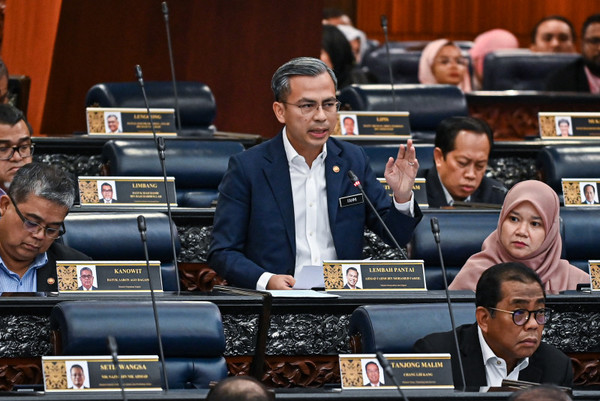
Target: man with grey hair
x: 288, y: 203
x: 33, y: 213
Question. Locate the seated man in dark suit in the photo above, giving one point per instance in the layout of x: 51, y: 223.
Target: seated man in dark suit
x: 462, y: 150
x: 582, y: 75
x: 506, y: 340
x: 288, y: 202
x: 33, y: 213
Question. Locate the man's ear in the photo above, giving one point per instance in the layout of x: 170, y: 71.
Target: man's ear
x: 483, y: 317
x: 4, y: 203
x: 438, y: 157
x: 279, y: 111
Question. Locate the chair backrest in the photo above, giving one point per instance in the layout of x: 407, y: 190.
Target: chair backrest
x: 115, y: 236
x: 581, y: 235
x: 198, y: 166
x: 405, y: 65
x: 192, y: 335
x: 395, y: 328
x: 18, y: 90
x: 521, y: 70
x: 197, y: 105
x: 379, y: 155
x: 564, y: 161
x: 428, y: 104
x: 462, y: 233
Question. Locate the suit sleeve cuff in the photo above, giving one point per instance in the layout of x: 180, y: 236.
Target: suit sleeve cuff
x: 407, y: 208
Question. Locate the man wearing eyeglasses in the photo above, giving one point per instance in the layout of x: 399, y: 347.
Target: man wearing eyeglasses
x: 288, y: 202
x: 582, y: 75
x: 16, y: 148
x: 506, y: 340
x: 33, y: 213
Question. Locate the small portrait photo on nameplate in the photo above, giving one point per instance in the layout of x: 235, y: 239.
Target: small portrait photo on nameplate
x: 412, y: 371
x: 581, y: 192
x: 371, y: 125
x: 594, y: 268
x: 374, y: 275
x: 105, y: 191
x: 98, y: 373
x: 130, y: 121
x: 419, y: 190
x: 569, y: 125
x: 81, y: 277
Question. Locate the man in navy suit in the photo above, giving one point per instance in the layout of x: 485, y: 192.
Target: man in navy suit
x: 506, y: 341
x: 288, y: 203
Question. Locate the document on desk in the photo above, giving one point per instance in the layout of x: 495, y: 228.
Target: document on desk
x: 300, y: 294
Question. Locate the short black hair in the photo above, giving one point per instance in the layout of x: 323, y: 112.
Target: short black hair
x: 85, y: 268
x: 10, y: 115
x: 541, y: 392
x: 551, y: 18
x: 489, y: 287
x: 592, y: 19
x: 75, y: 366
x: 351, y: 268
x: 105, y: 183
x: 448, y: 129
x: 240, y: 388
x: 347, y: 118
x: 589, y: 185
x: 371, y: 363
x: 563, y: 120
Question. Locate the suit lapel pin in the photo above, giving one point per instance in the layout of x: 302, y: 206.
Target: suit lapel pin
x: 50, y: 280
x: 336, y: 169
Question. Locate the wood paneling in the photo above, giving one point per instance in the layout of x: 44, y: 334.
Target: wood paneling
x: 234, y: 46
x: 465, y: 19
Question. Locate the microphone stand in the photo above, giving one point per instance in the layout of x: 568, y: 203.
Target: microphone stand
x: 435, y: 228
x: 112, y: 347
x: 165, y: 10
x: 160, y: 146
x: 142, y: 228
x: 354, y: 178
x: 387, y: 368
x: 389, y: 61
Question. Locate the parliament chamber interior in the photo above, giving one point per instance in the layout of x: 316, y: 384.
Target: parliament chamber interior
x: 65, y: 56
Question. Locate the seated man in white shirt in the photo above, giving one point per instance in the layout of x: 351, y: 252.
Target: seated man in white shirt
x: 506, y: 340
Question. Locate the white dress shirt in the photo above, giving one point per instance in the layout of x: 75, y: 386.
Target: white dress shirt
x: 495, y: 367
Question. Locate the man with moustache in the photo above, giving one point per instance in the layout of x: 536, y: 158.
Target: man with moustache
x: 506, y: 340
x: 582, y: 75
x: 462, y: 149
x: 288, y: 202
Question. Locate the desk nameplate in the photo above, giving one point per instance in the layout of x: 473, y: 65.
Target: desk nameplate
x: 567, y: 126
x: 581, y: 192
x: 373, y: 124
x: 114, y: 191
x: 130, y: 122
x: 419, y: 189
x: 75, y: 277
x: 98, y: 373
x: 414, y: 371
x: 382, y: 275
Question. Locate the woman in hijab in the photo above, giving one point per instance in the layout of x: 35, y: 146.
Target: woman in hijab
x: 487, y: 42
x: 442, y: 62
x: 528, y: 232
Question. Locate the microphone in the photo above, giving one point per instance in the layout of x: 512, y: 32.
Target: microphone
x: 384, y: 27
x: 435, y: 229
x: 165, y: 10
x: 353, y: 177
x: 160, y: 146
x: 141, y: 220
x: 112, y: 347
x: 387, y: 368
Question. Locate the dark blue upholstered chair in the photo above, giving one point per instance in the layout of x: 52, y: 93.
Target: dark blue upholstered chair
x: 461, y: 233
x: 568, y: 161
x: 115, y: 236
x: 405, y: 65
x: 192, y: 335
x: 197, y: 105
x: 581, y: 239
x: 427, y: 104
x: 379, y: 155
x: 198, y: 166
x: 393, y: 329
x: 521, y: 70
